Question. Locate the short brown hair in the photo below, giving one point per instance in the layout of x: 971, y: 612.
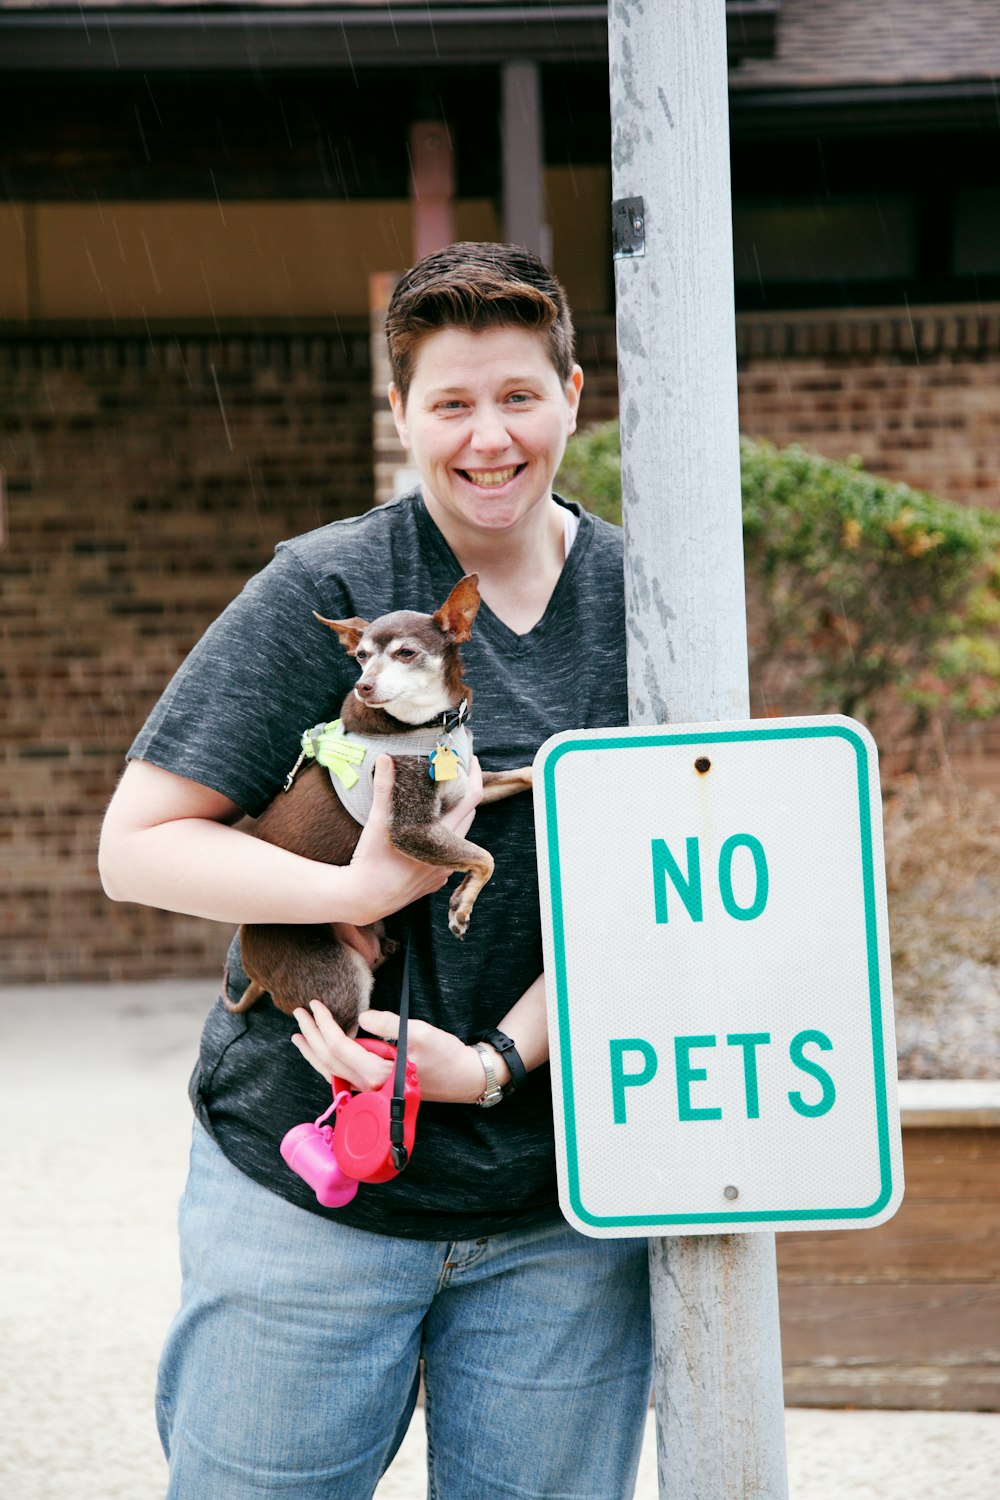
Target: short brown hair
x: 475, y: 285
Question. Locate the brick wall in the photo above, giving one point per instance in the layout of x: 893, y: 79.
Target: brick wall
x: 148, y: 475
x: 916, y: 395
x: 146, y: 478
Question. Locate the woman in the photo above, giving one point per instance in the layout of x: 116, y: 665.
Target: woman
x: 293, y: 1365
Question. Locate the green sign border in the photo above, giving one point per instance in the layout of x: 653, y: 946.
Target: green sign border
x: 646, y: 740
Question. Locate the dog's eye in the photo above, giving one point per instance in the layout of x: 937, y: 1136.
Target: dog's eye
x: 405, y: 653
x: 361, y: 655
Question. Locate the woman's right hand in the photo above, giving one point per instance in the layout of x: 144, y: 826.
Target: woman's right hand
x: 388, y: 880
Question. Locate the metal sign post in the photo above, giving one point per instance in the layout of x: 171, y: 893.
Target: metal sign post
x: 719, y: 1399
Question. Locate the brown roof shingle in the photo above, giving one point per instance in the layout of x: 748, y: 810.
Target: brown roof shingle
x: 838, y: 43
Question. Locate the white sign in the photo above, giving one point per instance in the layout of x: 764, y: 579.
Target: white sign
x: 718, y: 983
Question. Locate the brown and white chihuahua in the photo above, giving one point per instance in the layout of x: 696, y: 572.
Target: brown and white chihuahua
x: 411, y: 683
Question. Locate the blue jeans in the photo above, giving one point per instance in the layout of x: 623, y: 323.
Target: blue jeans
x: 292, y: 1367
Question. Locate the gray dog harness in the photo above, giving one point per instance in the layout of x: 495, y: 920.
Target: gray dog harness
x: 350, y: 758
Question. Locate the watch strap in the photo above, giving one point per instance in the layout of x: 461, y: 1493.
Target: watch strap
x: 502, y: 1043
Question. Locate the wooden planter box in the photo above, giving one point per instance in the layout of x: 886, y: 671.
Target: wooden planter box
x: 907, y: 1315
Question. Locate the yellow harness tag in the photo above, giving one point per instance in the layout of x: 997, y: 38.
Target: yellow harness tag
x: 444, y: 764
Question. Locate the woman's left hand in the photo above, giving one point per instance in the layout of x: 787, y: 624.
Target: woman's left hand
x: 449, y: 1071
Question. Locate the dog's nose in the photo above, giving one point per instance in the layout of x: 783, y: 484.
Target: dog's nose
x: 366, y: 689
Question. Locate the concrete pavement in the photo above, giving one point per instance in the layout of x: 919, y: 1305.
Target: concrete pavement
x: 94, y: 1124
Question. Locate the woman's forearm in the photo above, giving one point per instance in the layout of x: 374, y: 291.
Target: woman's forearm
x: 170, y: 843
x: 525, y: 1023
x: 450, y: 1069
x: 207, y: 869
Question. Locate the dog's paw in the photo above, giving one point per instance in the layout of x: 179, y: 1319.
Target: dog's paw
x: 387, y: 947
x: 458, y: 923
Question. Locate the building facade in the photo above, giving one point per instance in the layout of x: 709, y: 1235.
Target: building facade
x: 199, y: 210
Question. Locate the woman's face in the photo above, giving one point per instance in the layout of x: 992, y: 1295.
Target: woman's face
x: 486, y: 423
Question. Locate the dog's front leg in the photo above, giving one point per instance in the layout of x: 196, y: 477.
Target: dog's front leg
x: 437, y: 845
x: 415, y: 829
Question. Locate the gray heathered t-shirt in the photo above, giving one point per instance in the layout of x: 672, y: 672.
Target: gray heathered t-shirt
x: 231, y: 719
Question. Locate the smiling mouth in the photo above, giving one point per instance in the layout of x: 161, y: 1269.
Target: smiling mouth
x: 491, y: 479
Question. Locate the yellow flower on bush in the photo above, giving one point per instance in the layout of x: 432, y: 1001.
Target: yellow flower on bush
x: 911, y: 537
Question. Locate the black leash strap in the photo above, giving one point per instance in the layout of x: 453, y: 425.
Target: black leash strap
x: 397, y: 1106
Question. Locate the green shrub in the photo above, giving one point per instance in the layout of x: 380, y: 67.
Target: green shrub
x: 860, y: 591
x: 591, y: 471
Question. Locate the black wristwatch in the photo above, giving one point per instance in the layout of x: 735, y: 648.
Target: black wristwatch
x: 502, y: 1043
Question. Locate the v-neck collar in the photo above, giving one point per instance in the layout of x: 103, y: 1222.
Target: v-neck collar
x: 486, y: 621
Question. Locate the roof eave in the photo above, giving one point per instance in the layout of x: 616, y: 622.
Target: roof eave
x: 288, y: 40
x: 855, y: 109
x: 91, y: 41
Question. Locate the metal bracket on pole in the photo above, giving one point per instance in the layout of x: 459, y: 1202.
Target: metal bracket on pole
x: 628, y: 227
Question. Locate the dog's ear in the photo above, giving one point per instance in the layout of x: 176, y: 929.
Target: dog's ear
x: 458, y: 611
x: 348, y: 632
